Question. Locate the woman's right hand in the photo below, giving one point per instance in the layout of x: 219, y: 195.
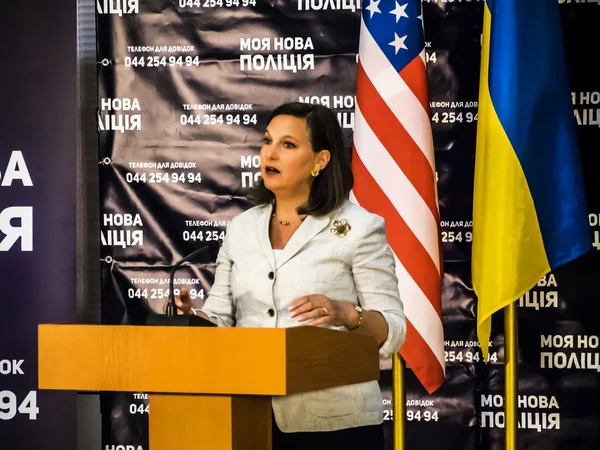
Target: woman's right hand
x: 183, y: 302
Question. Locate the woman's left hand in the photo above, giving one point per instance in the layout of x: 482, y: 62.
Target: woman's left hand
x: 318, y: 309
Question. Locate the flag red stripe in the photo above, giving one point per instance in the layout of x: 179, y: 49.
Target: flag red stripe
x: 421, y: 359
x: 406, y: 246
x: 394, y: 137
x: 414, y: 75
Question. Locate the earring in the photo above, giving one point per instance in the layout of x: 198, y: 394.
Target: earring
x: 314, y: 173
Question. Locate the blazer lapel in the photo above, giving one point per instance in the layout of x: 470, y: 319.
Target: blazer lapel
x: 262, y: 229
x: 305, y: 232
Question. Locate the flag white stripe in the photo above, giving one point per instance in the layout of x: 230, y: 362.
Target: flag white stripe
x: 395, y: 92
x: 398, y: 189
x: 421, y: 313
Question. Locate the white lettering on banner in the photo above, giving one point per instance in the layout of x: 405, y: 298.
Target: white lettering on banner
x: 215, y: 3
x: 456, y: 223
x: 139, y: 409
x: 159, y: 294
x: 579, y: 2
x: 22, y: 231
x: 468, y: 357
x: 255, y: 44
x: 562, y: 360
x: 413, y: 416
x: 250, y: 161
x: 315, y: 100
x: 345, y: 119
x: 16, y: 222
x: 119, y: 7
x: 123, y: 447
x: 291, y: 62
x: 162, y: 281
x: 160, y: 177
x: 16, y: 169
x: 207, y: 223
x: 586, y: 115
x: 9, y: 404
x: 203, y: 236
x: 249, y: 178
x: 287, y: 60
x: 451, y: 117
x: 568, y: 341
x: 530, y: 420
x: 119, y: 104
x: 119, y: 122
x: 422, y: 403
x: 595, y: 223
x: 11, y: 367
x: 572, y: 359
x: 218, y: 119
x: 161, y: 49
x: 215, y: 107
x: 118, y: 220
x: 467, y: 344
x: 466, y: 352
x: 144, y: 280
x: 143, y: 165
x: 122, y: 238
x: 339, y: 5
x: 537, y: 298
x: 162, y: 61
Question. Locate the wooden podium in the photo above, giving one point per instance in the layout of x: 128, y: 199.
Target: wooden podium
x: 210, y: 388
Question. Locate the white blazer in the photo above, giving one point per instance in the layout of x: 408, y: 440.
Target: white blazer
x: 253, y: 289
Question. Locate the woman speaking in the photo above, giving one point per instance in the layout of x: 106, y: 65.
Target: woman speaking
x: 305, y: 255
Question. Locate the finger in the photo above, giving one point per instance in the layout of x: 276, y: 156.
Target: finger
x: 184, y: 294
x: 306, y: 307
x: 323, y: 320
x: 299, y: 302
x: 312, y: 314
x: 178, y: 302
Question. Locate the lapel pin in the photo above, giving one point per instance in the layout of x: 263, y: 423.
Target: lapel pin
x: 340, y: 228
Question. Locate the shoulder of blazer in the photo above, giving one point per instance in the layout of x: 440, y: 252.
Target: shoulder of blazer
x: 248, y: 218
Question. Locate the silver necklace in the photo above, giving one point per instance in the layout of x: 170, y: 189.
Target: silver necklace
x: 281, y: 222
x: 284, y: 223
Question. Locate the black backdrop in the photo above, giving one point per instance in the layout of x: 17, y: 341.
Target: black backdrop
x: 38, y: 185
x: 185, y: 90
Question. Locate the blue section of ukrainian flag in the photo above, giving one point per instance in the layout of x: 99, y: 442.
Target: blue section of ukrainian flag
x: 529, y: 210
x: 530, y: 92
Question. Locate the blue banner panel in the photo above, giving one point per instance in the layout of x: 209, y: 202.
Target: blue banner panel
x: 37, y: 214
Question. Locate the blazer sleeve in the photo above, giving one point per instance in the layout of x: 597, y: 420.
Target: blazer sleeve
x: 374, y: 272
x: 219, y: 306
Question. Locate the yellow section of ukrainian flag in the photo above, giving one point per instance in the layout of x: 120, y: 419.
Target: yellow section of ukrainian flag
x: 508, y: 256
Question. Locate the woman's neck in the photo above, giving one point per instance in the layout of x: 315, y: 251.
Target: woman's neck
x: 288, y: 206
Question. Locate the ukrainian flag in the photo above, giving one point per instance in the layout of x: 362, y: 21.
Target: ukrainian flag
x: 529, y: 210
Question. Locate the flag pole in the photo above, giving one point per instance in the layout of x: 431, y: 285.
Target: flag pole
x: 511, y: 363
x: 398, y: 401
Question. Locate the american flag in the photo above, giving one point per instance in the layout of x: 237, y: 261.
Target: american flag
x: 394, y: 170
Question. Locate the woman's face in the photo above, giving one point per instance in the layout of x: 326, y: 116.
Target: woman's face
x: 287, y: 157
